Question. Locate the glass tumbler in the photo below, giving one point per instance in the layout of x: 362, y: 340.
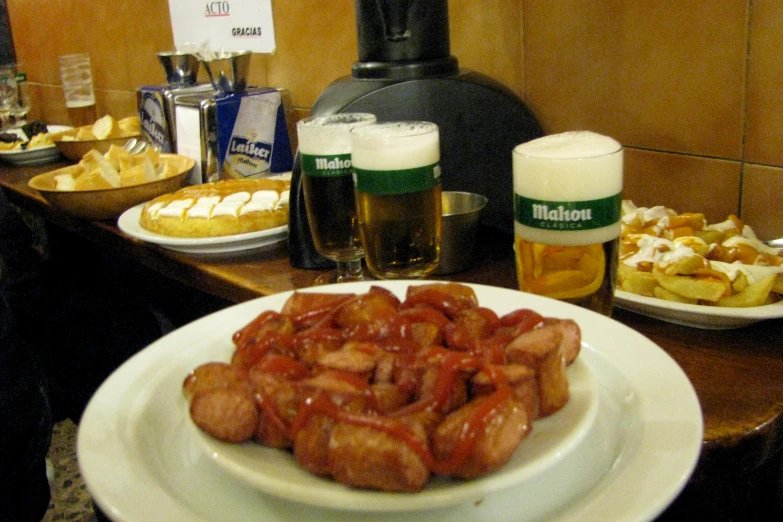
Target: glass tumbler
x: 398, y: 197
x: 76, y: 75
x: 567, y: 217
x: 327, y: 184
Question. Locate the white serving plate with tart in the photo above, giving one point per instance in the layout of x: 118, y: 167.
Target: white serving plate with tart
x: 129, y: 222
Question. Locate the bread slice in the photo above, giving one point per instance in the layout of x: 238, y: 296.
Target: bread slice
x: 85, y: 134
x: 105, y: 128
x: 130, y: 126
x: 118, y: 156
x: 64, y: 182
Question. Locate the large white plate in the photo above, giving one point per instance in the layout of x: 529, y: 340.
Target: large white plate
x: 552, y: 439
x: 35, y: 156
x: 129, y: 223
x: 142, y: 461
x: 698, y: 316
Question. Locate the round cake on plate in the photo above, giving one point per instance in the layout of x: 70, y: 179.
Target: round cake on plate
x: 222, y: 208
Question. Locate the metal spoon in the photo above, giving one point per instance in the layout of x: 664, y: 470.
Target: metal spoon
x: 135, y: 146
x: 775, y: 243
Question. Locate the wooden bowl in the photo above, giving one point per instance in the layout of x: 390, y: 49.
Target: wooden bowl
x: 111, y: 202
x: 75, y: 150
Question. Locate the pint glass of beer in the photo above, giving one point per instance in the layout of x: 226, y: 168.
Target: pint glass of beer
x: 327, y: 185
x: 398, y: 197
x: 76, y: 75
x: 567, y: 206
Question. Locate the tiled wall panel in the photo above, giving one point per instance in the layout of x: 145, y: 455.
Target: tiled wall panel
x: 761, y: 200
x: 662, y: 75
x: 764, y: 134
x: 693, y: 89
x: 677, y: 180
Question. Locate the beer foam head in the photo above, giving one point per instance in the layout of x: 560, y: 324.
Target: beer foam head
x: 381, y: 134
x: 568, y: 167
x: 330, y: 134
x: 395, y: 145
x: 569, y: 145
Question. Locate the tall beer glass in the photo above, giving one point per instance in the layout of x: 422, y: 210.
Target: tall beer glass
x: 76, y: 75
x: 567, y: 206
x: 398, y: 197
x: 327, y: 184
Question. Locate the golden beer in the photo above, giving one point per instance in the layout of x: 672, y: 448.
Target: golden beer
x: 567, y: 208
x: 401, y: 232
x: 76, y: 75
x: 396, y: 169
x: 81, y: 114
x: 331, y: 213
x: 327, y: 186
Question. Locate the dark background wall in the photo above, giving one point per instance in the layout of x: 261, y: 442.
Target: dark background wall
x: 7, y: 54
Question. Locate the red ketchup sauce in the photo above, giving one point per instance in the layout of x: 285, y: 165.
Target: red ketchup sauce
x: 392, y: 334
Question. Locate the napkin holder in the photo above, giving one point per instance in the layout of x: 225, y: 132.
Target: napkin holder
x: 156, y: 102
x: 205, y: 127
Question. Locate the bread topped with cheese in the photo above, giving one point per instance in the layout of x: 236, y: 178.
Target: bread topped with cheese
x: 222, y: 208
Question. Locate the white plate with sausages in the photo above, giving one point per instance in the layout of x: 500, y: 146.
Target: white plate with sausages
x: 624, y: 452
x: 552, y: 440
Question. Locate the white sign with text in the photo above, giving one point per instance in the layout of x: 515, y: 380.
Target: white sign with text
x: 223, y: 25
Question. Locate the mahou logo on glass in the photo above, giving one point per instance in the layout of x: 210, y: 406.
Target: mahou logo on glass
x: 567, y: 215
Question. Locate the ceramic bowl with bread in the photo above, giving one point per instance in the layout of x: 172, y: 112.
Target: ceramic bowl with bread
x: 100, y: 136
x: 103, y: 186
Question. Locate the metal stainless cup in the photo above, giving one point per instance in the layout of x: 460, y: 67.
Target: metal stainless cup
x: 459, y: 230
x: 180, y: 68
x: 228, y: 72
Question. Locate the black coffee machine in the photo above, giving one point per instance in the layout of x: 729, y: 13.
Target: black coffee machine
x: 406, y: 72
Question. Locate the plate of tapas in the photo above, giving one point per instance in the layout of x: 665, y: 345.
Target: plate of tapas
x: 27, y: 151
x: 630, y: 426
x: 679, y: 268
x: 224, y: 216
x: 130, y: 224
x: 697, y: 316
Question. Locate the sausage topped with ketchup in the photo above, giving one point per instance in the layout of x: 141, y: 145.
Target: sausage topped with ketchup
x: 382, y: 393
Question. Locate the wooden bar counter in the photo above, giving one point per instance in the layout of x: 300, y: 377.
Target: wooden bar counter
x: 737, y: 374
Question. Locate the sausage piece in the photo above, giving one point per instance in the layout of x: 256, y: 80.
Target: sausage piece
x: 227, y: 414
x: 361, y: 456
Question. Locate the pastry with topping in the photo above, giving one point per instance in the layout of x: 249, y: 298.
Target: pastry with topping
x: 222, y: 208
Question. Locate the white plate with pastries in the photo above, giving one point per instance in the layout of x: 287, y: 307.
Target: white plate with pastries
x: 142, y: 460
x: 129, y: 222
x: 697, y: 316
x: 33, y: 156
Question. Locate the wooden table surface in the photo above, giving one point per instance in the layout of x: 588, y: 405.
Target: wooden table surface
x: 737, y: 374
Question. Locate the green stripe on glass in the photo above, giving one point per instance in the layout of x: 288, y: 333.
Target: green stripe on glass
x: 326, y: 166
x: 402, y: 181
x: 568, y: 215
